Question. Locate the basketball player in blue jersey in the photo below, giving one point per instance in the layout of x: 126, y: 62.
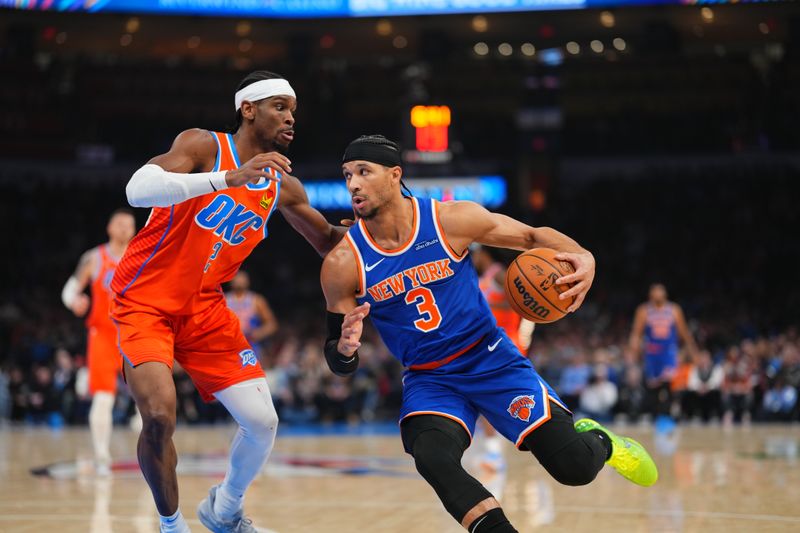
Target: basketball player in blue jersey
x: 255, y: 315
x: 405, y: 264
x: 659, y: 323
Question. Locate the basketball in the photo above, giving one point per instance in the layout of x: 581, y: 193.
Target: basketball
x: 531, y: 285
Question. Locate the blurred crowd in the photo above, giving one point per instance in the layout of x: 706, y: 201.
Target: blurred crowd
x: 757, y: 379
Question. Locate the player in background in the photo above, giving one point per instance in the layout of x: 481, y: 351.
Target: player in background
x: 405, y: 265
x: 657, y: 327
x: 256, y: 318
x: 211, y: 196
x: 95, y: 270
x: 492, y: 275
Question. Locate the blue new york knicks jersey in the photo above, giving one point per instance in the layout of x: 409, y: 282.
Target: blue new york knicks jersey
x: 660, y: 331
x: 424, y: 297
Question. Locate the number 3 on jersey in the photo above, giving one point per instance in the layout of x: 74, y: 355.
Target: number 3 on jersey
x: 426, y: 307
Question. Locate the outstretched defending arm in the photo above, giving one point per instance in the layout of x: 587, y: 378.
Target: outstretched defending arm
x: 306, y: 220
x: 72, y: 294
x: 339, y: 280
x: 467, y: 222
x: 183, y: 172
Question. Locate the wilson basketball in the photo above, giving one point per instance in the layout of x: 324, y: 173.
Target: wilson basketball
x: 531, y: 285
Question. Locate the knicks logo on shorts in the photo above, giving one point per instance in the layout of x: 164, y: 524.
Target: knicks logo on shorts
x: 521, y: 407
x: 248, y: 358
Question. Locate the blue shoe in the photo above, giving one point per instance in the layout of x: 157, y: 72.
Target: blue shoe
x: 207, y: 516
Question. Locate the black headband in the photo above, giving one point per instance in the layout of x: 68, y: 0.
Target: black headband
x: 382, y: 154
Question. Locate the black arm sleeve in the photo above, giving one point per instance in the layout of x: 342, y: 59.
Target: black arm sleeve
x: 341, y: 365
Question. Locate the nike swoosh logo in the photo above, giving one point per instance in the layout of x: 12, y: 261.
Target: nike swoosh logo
x: 369, y: 268
x: 493, y: 346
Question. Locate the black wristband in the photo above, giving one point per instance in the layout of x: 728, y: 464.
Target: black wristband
x: 340, y: 364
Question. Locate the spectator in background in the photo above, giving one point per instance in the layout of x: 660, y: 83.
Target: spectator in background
x: 600, y: 395
x: 64, y: 380
x: 705, y: 388
x: 631, y: 394
x: 574, y: 379
x: 43, y: 399
x: 780, y: 401
x: 737, y: 387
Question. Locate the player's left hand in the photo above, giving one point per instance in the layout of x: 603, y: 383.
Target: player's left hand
x: 584, y: 265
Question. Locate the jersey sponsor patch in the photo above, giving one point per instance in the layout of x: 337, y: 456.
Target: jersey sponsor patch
x: 267, y: 199
x: 248, y: 358
x: 521, y: 407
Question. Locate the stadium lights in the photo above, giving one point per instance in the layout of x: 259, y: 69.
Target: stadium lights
x: 481, y: 49
x: 480, y: 24
x: 620, y: 44
x: 384, y: 27
x: 243, y: 28
x: 597, y: 46
x: 607, y: 19
x: 132, y: 25
x: 707, y: 14
x: 528, y: 49
x: 505, y: 49
x: 400, y: 42
x: 573, y: 47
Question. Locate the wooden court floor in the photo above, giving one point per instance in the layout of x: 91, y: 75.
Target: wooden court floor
x: 712, y: 480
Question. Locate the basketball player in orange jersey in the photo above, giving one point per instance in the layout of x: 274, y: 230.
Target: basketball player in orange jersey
x: 254, y: 313
x: 406, y: 265
x: 212, y: 195
x: 660, y: 323
x: 96, y: 269
x: 492, y: 278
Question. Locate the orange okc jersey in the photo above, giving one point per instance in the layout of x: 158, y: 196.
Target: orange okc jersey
x: 100, y: 289
x: 178, y: 261
x: 496, y: 297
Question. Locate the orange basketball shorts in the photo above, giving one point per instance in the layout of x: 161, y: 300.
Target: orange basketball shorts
x: 103, y: 359
x: 209, y: 345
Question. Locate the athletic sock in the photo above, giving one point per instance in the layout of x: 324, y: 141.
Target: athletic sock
x: 174, y: 523
x: 493, y: 521
x: 227, y: 503
x: 605, y: 440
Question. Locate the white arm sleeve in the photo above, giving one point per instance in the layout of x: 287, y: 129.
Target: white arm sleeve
x: 152, y: 186
x: 525, y: 332
x: 70, y: 292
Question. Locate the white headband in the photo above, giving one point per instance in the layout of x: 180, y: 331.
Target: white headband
x: 263, y: 89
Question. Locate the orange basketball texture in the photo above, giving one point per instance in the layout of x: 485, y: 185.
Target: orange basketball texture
x: 531, y: 285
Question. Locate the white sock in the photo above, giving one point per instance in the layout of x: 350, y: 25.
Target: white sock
x: 100, y: 424
x: 174, y: 523
x: 250, y: 404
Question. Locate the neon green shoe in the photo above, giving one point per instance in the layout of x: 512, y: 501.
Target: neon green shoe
x: 628, y: 457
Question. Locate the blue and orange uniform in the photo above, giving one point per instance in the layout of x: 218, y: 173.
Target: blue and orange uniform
x: 660, y: 340
x: 430, y: 312
x: 101, y: 351
x: 169, y: 303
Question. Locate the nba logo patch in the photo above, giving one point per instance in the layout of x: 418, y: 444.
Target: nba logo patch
x: 248, y: 358
x: 521, y: 407
x: 267, y: 199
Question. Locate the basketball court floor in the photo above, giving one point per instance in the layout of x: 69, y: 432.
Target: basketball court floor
x: 712, y: 480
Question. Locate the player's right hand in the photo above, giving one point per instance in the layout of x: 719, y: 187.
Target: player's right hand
x: 254, y: 170
x: 352, y: 328
x: 81, y: 305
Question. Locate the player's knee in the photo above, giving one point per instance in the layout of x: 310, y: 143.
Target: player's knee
x: 575, y: 464
x: 260, y: 424
x: 158, y: 426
